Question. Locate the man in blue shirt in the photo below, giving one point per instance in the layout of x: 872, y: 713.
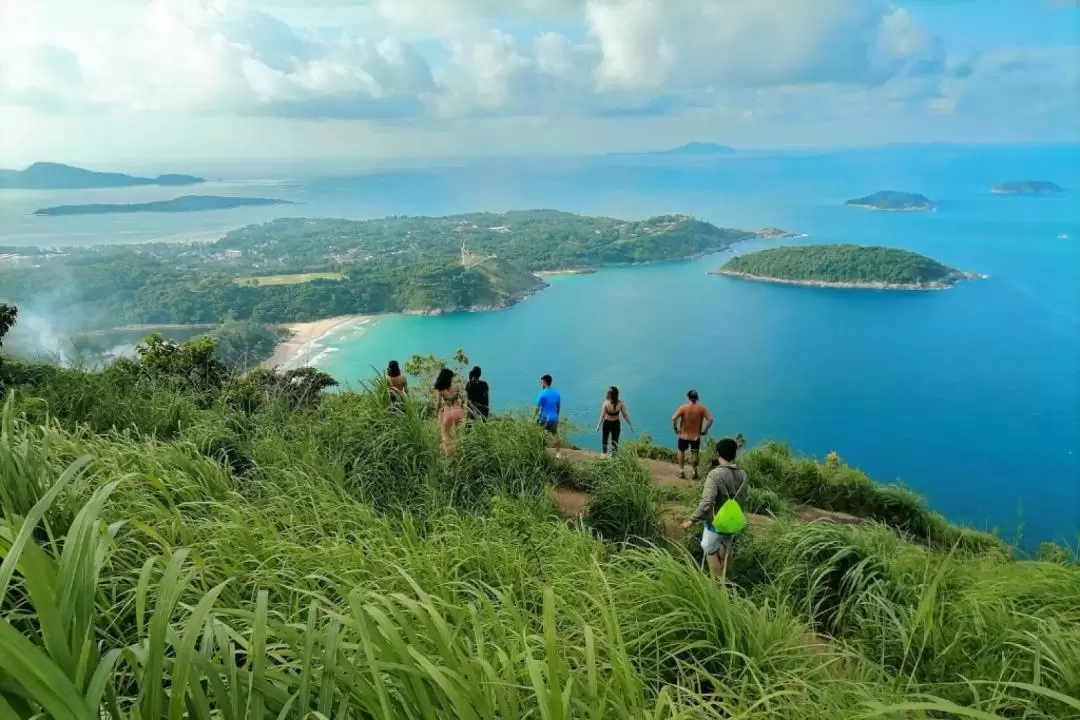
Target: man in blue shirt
x: 548, y: 406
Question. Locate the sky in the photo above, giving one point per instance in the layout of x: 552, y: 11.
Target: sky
x: 115, y: 82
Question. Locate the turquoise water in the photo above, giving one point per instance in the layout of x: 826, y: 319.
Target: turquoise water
x: 970, y: 396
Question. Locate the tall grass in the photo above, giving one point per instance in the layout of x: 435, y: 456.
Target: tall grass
x: 346, y: 569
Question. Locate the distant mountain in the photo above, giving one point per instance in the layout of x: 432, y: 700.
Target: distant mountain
x: 1028, y: 187
x: 891, y: 200
x: 696, y: 148
x: 699, y: 149
x: 55, y: 176
x: 187, y: 203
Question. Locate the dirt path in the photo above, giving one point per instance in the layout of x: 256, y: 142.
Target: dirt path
x: 574, y: 503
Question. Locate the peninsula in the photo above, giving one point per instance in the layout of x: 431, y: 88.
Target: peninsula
x: 773, y: 233
x: 845, y: 266
x: 56, y: 176
x: 892, y: 201
x: 1027, y: 187
x: 303, y: 269
x: 186, y: 203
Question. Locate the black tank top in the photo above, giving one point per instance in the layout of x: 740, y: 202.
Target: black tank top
x: 611, y: 412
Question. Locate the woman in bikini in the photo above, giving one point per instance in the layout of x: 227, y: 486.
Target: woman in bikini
x: 396, y: 383
x: 609, y: 423
x: 451, y: 403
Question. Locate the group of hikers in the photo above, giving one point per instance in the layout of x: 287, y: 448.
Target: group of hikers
x: 725, y: 489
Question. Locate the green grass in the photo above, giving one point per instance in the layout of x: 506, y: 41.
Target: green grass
x: 162, y: 555
x: 294, y: 279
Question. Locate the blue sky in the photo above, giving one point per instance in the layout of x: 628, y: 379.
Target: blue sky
x: 117, y: 81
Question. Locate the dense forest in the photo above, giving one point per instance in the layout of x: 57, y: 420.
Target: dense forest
x: 180, y: 541
x: 388, y: 265
x: 841, y: 264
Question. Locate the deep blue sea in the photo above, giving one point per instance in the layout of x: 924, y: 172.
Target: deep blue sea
x: 970, y: 396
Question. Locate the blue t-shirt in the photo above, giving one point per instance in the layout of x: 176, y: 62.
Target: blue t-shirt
x: 548, y: 401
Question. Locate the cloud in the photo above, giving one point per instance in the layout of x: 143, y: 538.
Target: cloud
x: 208, y: 56
x: 435, y: 60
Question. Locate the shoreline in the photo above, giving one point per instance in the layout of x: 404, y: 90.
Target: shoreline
x: 852, y: 285
x: 566, y: 271
x: 302, y: 346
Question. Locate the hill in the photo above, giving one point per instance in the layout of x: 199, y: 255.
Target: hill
x: 175, y: 536
x: 396, y: 264
x: 1028, y: 187
x: 698, y: 148
x: 186, y: 203
x: 56, y: 176
x: 891, y: 200
x: 844, y: 266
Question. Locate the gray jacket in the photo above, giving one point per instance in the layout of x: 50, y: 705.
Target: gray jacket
x: 721, y: 484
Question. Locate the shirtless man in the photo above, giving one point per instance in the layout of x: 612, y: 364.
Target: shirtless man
x: 690, y: 422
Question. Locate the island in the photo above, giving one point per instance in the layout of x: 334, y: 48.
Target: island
x: 845, y: 266
x: 1028, y: 187
x: 892, y: 201
x: 56, y: 176
x: 772, y: 233
x: 295, y: 270
x: 693, y: 149
x: 186, y: 203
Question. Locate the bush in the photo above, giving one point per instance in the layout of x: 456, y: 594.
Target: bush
x: 625, y: 505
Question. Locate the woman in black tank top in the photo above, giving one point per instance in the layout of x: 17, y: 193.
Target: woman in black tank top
x: 609, y: 423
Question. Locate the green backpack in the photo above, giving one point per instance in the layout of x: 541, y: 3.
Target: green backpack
x: 730, y: 519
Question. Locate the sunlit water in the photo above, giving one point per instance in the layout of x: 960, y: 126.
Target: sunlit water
x: 971, y: 396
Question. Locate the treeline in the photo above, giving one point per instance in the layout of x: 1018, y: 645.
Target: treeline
x: 841, y: 264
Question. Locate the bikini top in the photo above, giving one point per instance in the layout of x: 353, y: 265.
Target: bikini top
x: 611, y: 412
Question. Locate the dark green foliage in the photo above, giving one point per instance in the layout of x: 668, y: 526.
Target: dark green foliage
x: 8, y: 315
x: 841, y: 264
x: 893, y: 200
x: 625, y: 505
x: 241, y: 345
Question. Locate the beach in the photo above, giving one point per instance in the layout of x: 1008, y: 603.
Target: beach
x: 303, y: 347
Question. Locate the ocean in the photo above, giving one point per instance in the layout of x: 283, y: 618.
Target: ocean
x: 970, y: 396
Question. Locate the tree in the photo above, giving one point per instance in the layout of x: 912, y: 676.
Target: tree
x: 425, y: 368
x: 8, y: 315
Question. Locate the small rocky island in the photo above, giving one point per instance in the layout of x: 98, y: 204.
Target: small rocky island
x: 772, y: 233
x: 1027, y: 187
x: 845, y: 266
x: 892, y: 201
x: 187, y: 203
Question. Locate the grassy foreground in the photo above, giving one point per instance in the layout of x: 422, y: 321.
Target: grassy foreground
x: 176, y: 543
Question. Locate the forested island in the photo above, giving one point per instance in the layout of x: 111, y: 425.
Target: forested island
x: 1027, y: 187
x: 892, y: 201
x: 295, y: 270
x: 56, y: 176
x: 845, y: 266
x: 186, y: 203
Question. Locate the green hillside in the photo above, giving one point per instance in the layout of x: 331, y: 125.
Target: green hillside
x: 377, y: 266
x: 841, y: 264
x: 177, y: 541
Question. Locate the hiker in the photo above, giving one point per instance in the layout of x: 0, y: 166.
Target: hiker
x: 396, y: 383
x: 477, y: 392
x: 548, y: 407
x: 450, y: 404
x: 726, y: 481
x: 687, y: 423
x: 609, y: 423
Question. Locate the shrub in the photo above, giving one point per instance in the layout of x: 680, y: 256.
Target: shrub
x: 625, y: 506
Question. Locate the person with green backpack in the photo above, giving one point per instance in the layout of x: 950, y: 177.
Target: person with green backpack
x: 721, y: 507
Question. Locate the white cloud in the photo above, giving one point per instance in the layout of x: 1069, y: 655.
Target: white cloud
x: 745, y: 60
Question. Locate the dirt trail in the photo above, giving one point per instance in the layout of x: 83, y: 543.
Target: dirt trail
x: 574, y: 503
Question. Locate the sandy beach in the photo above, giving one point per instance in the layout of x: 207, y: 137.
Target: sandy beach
x: 302, y: 347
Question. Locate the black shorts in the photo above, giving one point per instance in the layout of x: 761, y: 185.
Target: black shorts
x: 685, y: 445
x: 552, y: 426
